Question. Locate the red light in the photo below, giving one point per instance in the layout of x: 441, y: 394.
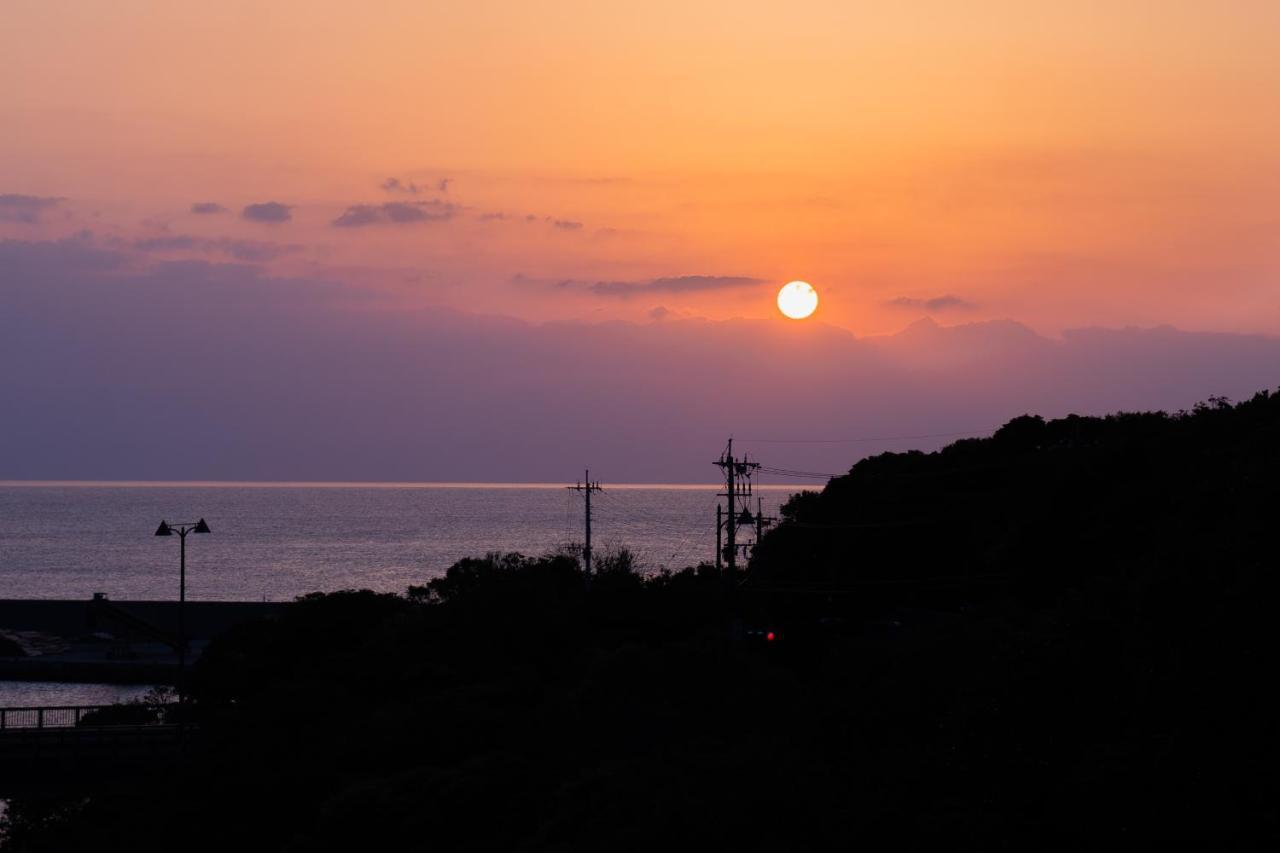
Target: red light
x: 771, y: 636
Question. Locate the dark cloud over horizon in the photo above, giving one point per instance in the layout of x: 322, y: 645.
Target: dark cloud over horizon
x: 395, y: 213
x: 296, y: 386
x: 27, y: 209
x: 207, y: 207
x: 267, y: 211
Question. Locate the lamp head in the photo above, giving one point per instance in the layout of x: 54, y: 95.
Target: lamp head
x: 200, y: 527
x: 164, y: 529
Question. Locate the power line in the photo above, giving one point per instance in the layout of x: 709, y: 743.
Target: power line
x: 788, y: 472
x: 683, y: 547
x: 865, y: 438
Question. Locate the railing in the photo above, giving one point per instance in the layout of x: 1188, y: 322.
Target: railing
x: 66, y: 716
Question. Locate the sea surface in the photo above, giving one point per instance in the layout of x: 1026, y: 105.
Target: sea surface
x: 275, y: 541
x: 32, y: 694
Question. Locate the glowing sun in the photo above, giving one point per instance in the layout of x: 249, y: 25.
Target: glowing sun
x: 797, y: 300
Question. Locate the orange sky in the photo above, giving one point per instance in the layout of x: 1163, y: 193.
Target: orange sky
x: 1098, y: 164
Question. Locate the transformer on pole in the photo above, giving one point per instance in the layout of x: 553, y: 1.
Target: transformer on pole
x: 739, y: 479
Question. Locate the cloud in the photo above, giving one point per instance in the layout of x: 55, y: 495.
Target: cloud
x: 248, y: 251
x: 659, y: 312
x: 395, y: 213
x: 675, y: 284
x: 267, y: 211
x: 395, y: 185
x: 554, y: 222
x: 207, y: 207
x: 26, y: 209
x: 936, y: 303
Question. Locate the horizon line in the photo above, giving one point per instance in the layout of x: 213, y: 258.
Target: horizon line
x: 363, y: 484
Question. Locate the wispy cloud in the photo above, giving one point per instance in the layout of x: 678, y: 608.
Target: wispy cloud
x: 267, y: 211
x: 936, y: 303
x: 26, y: 209
x: 395, y: 213
x: 207, y: 207
x: 556, y: 222
x: 672, y: 284
x: 249, y: 251
x: 395, y: 185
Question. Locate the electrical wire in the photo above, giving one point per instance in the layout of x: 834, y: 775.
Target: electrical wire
x: 865, y: 438
x: 790, y: 472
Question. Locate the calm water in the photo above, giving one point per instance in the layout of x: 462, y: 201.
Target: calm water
x: 30, y: 694
x: 280, y: 540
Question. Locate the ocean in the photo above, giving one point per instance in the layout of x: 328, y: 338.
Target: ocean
x: 275, y: 541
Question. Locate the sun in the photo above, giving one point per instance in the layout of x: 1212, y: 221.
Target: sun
x: 797, y: 300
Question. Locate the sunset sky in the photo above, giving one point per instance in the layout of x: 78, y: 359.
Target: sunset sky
x: 1063, y: 166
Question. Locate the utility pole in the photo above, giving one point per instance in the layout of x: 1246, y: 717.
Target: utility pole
x: 738, y: 474
x: 762, y: 521
x: 719, y: 540
x: 732, y: 531
x: 587, y: 487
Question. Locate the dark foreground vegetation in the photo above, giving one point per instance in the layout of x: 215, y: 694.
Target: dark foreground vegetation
x: 1060, y: 637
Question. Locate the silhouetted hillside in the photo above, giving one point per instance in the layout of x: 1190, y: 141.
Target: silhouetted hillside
x: 1181, y: 498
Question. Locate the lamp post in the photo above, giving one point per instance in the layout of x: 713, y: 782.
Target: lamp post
x: 166, y: 529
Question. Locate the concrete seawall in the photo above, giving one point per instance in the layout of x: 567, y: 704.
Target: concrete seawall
x: 205, y: 619
x: 127, y: 642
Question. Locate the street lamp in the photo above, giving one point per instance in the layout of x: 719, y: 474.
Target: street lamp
x: 166, y: 529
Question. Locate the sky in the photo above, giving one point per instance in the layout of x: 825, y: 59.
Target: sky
x: 428, y: 241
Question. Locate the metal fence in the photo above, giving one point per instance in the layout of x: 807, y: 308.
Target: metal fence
x: 70, y: 716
